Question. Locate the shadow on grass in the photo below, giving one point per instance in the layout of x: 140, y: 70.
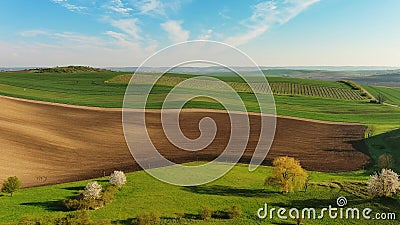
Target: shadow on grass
x: 165, y: 220
x: 228, y: 191
x: 74, y: 188
x: 55, y: 206
x: 283, y: 223
x: 192, y: 216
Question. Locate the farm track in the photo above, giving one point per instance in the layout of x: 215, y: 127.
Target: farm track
x: 46, y: 143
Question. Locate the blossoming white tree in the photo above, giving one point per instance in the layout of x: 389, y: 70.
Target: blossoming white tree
x: 384, y: 184
x: 117, y: 178
x: 92, y: 190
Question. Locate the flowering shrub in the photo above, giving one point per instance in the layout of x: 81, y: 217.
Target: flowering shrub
x: 117, y: 178
x: 92, y: 190
x: 384, y: 184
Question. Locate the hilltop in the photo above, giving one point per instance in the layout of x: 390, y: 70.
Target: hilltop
x: 67, y: 69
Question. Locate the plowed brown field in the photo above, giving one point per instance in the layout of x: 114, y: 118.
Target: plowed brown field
x: 45, y: 143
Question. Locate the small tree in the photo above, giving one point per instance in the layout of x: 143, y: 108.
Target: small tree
x: 11, y: 185
x: 287, y: 174
x: 370, y: 131
x: 380, y: 98
x: 384, y: 184
x: 385, y: 161
x: 92, y: 190
x: 117, y: 178
x: 206, y: 212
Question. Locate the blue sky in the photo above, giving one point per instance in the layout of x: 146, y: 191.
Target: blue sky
x: 273, y: 33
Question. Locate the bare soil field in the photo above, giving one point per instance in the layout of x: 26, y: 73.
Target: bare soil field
x: 45, y: 143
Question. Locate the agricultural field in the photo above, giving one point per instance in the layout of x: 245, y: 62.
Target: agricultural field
x: 279, y: 86
x: 59, y: 157
x: 106, y: 89
x: 238, y: 186
x: 84, y: 88
x: 320, y: 130
x: 316, y: 91
x: 391, y: 95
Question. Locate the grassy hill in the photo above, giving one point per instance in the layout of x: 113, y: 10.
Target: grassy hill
x: 146, y: 194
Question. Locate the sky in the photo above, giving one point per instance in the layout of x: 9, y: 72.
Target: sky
x: 119, y: 33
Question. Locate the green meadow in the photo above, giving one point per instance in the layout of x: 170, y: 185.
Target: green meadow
x: 143, y: 193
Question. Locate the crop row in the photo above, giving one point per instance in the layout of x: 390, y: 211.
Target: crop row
x: 317, y: 91
x: 280, y: 88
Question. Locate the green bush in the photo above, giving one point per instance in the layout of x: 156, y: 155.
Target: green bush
x: 81, y: 203
x: 205, y: 212
x: 234, y: 211
x: 108, y: 194
x: 180, y: 214
x: 77, y: 218
x: 28, y: 220
x: 147, y: 219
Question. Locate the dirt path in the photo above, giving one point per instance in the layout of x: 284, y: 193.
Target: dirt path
x: 45, y: 143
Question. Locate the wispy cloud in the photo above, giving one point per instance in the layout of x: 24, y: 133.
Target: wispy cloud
x: 158, y: 7
x: 69, y: 6
x: 128, y: 26
x: 65, y: 37
x: 175, y: 31
x: 32, y: 33
x: 224, y: 13
x: 267, y: 13
x: 118, y: 6
x: 205, y: 35
x: 150, y: 6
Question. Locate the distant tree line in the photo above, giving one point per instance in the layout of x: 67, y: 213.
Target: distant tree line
x: 68, y: 69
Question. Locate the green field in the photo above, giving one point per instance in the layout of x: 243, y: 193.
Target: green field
x: 303, y: 98
x: 85, y: 88
x: 91, y: 89
x: 391, y: 95
x: 279, y: 86
x: 146, y: 194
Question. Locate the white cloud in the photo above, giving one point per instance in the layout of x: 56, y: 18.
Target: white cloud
x: 224, y: 13
x: 64, y: 37
x: 128, y: 26
x: 121, y: 40
x: 267, y: 13
x: 37, y: 54
x: 175, y: 31
x: 148, y: 6
x: 32, y: 33
x: 69, y: 6
x: 76, y: 38
x: 205, y: 35
x: 119, y: 7
x: 249, y: 35
x: 158, y: 7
